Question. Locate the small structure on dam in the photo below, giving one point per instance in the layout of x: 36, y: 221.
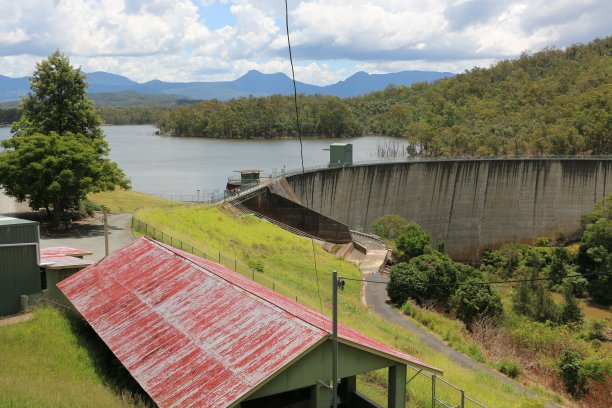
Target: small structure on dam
x: 247, y: 177
x: 340, y: 154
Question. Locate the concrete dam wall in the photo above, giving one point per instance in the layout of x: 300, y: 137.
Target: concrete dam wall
x: 470, y: 204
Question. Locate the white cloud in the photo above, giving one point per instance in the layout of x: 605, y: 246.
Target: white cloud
x: 168, y: 39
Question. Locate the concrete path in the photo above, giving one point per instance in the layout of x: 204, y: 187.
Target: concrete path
x: 91, y: 236
x: 375, y: 295
x: 7, y: 321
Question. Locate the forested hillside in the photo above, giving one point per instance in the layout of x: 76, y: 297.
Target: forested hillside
x: 550, y: 102
x: 553, y: 102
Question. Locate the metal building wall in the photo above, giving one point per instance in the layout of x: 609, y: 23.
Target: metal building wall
x: 19, y: 270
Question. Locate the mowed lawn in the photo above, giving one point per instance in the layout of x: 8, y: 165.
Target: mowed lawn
x: 47, y: 362
x: 123, y: 201
x: 288, y: 261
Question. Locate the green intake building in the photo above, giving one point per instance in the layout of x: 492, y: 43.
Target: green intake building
x: 19, y: 259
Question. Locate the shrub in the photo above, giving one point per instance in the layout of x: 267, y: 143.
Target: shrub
x: 473, y: 300
x: 257, y: 266
x: 542, y: 241
x: 389, y: 226
x: 509, y: 367
x: 412, y: 242
x: 87, y: 208
x: 425, y: 278
x: 570, y: 365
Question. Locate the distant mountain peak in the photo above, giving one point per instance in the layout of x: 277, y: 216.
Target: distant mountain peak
x: 253, y: 82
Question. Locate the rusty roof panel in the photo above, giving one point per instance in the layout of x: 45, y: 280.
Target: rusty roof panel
x: 192, y: 332
x: 62, y: 251
x: 188, y: 337
x: 63, y: 262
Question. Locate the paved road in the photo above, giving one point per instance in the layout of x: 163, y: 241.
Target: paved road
x: 91, y: 236
x: 376, y: 300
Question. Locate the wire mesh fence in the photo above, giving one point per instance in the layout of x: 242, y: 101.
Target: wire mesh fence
x: 212, y: 255
x: 443, y: 393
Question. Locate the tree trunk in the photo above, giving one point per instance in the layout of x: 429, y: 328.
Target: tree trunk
x: 56, y: 214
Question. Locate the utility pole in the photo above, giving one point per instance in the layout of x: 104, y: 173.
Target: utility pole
x: 335, y: 339
x: 105, y: 232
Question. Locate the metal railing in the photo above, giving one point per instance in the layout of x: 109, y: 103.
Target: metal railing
x: 443, y: 393
x: 369, y: 237
x: 216, y: 197
x: 210, y: 254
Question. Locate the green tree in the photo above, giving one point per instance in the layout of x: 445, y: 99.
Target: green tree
x: 57, y: 171
x: 595, y: 258
x: 571, y: 313
x: 570, y: 366
x: 473, y: 300
x: 58, y: 101
x: 413, y: 241
x: 389, y: 226
x: 58, y: 153
x: 429, y: 277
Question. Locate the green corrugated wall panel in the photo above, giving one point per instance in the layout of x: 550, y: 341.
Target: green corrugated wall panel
x: 19, y: 233
x: 19, y: 275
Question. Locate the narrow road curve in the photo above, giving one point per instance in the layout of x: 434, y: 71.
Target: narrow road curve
x: 376, y: 300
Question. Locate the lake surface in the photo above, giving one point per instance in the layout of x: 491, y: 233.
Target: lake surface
x: 171, y: 165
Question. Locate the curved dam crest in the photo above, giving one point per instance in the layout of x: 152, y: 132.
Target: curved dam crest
x: 470, y: 204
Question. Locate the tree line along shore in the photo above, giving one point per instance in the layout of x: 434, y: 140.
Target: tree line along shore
x: 552, y: 102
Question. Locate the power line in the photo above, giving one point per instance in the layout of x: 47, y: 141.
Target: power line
x: 486, y: 282
x: 299, y: 132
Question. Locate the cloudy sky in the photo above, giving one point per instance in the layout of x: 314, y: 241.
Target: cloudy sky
x: 210, y: 40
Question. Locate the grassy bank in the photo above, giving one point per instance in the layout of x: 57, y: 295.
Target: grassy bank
x: 51, y: 361
x: 287, y: 260
x: 119, y: 201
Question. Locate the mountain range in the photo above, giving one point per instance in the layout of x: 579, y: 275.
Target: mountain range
x: 252, y: 83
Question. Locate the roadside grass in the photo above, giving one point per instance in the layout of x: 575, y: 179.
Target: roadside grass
x: 287, y: 261
x: 119, y: 201
x: 49, y: 362
x: 452, y: 331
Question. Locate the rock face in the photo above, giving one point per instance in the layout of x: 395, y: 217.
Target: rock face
x: 469, y: 205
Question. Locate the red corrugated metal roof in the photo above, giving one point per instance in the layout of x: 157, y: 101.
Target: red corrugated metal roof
x: 64, y: 262
x: 62, y: 251
x: 195, y: 333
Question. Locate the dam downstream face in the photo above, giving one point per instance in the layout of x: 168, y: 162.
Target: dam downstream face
x: 469, y: 205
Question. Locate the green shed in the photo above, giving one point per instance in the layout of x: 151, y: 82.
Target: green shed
x: 340, y: 154
x: 19, y: 258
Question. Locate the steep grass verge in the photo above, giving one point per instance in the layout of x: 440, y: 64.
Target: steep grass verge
x: 118, y: 201
x: 287, y: 260
x: 54, y: 361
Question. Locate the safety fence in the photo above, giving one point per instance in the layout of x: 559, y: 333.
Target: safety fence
x: 212, y: 197
x: 443, y: 393
x: 253, y: 271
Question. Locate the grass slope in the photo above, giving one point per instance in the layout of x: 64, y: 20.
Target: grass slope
x: 287, y: 261
x: 126, y: 200
x: 45, y: 362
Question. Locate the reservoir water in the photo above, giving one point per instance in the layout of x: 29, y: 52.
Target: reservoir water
x: 171, y: 165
